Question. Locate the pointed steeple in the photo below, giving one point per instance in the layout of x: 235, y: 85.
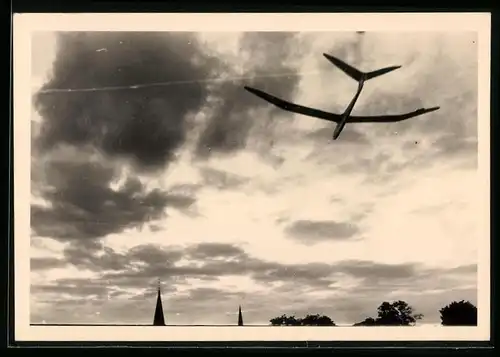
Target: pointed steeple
x: 240, y: 317
x: 159, y: 319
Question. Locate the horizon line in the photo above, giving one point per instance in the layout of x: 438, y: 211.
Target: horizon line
x: 210, y: 325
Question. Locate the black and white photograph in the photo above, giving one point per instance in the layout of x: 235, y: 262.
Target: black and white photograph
x: 257, y: 176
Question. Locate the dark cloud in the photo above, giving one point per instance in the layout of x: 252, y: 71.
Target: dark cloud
x: 298, y: 285
x: 205, y: 251
x: 110, y: 260
x: 310, y: 232
x: 180, y: 201
x: 87, y: 288
x: 148, y: 261
x: 145, y: 125
x: 46, y: 263
x: 234, y: 114
x: 151, y: 254
x: 218, y: 259
x: 83, y: 205
x: 142, y: 127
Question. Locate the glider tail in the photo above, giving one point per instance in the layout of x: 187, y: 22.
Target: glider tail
x: 356, y: 74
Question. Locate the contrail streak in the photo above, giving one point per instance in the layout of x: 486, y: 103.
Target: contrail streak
x: 162, y: 84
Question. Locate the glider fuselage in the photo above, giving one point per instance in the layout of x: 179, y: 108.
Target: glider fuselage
x: 347, y: 112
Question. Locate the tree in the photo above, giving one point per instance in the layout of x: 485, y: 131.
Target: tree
x: 309, y: 320
x: 459, y: 313
x: 369, y: 321
x: 397, y: 313
x: 316, y: 320
x: 285, y: 320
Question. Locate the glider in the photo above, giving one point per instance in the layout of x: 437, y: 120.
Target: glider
x: 342, y: 119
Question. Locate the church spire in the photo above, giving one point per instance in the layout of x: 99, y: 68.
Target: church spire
x: 159, y: 319
x: 240, y: 317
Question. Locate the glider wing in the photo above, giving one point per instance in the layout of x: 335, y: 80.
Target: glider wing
x: 295, y: 108
x: 390, y: 118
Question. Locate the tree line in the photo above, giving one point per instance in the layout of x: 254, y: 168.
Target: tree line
x: 397, y: 313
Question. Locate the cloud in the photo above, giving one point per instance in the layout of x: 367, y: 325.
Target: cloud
x: 143, y: 125
x: 371, y: 270
x: 234, y: 116
x: 66, y: 286
x: 83, y: 204
x: 110, y: 260
x: 204, y: 251
x: 220, y: 259
x: 372, y: 164
x: 221, y: 179
x: 129, y: 279
x: 37, y: 263
x: 310, y: 232
x: 449, y: 145
x: 139, y: 129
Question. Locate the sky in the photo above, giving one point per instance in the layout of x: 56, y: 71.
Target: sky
x: 230, y: 201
